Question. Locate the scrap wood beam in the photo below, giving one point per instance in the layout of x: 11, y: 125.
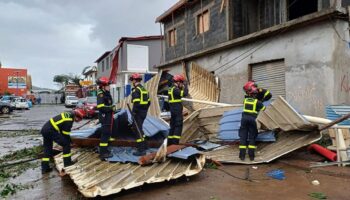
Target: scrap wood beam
x: 147, y: 159
x: 92, y: 142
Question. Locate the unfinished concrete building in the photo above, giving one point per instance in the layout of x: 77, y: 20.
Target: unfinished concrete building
x: 298, y: 49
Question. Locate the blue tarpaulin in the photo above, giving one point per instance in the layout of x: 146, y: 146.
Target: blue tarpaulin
x: 230, y: 124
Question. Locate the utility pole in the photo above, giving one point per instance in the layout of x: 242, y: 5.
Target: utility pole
x: 16, y: 82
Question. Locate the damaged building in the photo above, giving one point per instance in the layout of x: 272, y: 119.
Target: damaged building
x: 298, y: 49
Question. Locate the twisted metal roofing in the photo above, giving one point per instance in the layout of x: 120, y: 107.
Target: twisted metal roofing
x: 97, y: 178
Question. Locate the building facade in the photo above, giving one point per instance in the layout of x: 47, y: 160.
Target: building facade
x: 297, y: 49
x: 14, y: 81
x: 88, y: 84
x: 135, y: 55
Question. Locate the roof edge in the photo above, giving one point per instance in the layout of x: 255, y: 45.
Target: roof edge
x: 314, y: 17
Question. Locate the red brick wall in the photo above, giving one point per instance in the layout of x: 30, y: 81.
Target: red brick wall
x: 5, y: 73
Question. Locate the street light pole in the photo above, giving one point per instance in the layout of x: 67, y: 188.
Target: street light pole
x: 16, y: 82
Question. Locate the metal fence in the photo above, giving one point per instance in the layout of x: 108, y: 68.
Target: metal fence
x: 48, y: 98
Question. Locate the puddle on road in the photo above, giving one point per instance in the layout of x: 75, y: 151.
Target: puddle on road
x: 48, y: 186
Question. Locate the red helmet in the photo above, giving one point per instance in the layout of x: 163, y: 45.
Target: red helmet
x: 253, y: 90
x: 249, y: 85
x: 103, y: 81
x: 80, y: 113
x: 179, y: 78
x: 135, y: 76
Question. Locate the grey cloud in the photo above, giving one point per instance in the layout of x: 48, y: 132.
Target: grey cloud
x: 62, y: 36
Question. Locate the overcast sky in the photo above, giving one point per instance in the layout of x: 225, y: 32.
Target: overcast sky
x: 50, y: 37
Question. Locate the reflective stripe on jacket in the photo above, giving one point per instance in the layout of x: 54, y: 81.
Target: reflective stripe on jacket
x: 56, y: 124
x: 173, y: 98
x: 144, y: 97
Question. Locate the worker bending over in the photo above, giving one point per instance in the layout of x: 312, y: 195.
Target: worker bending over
x: 175, y: 93
x: 141, y: 102
x: 106, y: 108
x: 58, y: 129
x: 248, y: 129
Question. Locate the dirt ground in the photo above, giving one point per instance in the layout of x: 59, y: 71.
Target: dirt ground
x: 26, y: 182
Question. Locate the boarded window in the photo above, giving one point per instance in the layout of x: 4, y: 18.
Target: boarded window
x: 270, y: 75
x: 203, y: 22
x: 172, y: 37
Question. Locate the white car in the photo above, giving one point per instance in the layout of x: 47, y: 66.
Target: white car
x: 71, y: 101
x: 20, y: 103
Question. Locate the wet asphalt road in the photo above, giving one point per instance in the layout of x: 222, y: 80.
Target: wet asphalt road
x: 32, y: 119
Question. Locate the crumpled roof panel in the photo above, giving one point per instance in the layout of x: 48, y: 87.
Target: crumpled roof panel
x: 266, y: 152
x: 97, y: 178
x: 280, y: 115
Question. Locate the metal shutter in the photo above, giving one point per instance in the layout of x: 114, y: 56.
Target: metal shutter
x: 271, y: 75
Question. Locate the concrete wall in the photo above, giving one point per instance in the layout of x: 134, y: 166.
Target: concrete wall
x: 341, y: 61
x: 154, y: 53
x: 315, y: 63
x: 185, y: 22
x: 108, y: 66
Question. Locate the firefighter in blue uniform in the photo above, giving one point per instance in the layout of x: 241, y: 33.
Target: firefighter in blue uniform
x: 175, y: 93
x: 141, y: 102
x: 248, y: 129
x: 58, y: 129
x: 105, y: 107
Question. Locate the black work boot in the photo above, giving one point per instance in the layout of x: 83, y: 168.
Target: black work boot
x: 45, y: 167
x: 242, y: 154
x: 68, y: 162
x: 105, y: 153
x: 251, y: 153
x: 141, y: 149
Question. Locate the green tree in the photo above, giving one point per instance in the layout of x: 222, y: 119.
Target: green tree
x: 62, y: 80
x: 75, y: 79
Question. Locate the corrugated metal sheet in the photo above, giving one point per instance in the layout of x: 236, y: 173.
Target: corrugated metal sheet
x: 185, y: 153
x: 271, y: 75
x: 266, y: 152
x: 230, y: 124
x: 125, y: 154
x: 281, y: 115
x: 151, y: 126
x: 152, y: 87
x: 297, y: 132
x: 334, y: 112
x: 96, y: 178
x: 202, y: 86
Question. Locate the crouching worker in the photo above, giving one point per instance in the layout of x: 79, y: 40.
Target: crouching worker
x: 248, y: 129
x: 57, y: 129
x: 175, y: 93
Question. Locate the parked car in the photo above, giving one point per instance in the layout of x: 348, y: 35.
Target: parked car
x: 9, y: 99
x: 5, y: 108
x: 90, y: 107
x: 20, y: 103
x: 71, y: 101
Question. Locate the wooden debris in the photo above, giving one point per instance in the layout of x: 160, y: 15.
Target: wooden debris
x: 147, y: 159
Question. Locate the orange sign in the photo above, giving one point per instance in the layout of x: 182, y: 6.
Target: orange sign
x: 85, y: 83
